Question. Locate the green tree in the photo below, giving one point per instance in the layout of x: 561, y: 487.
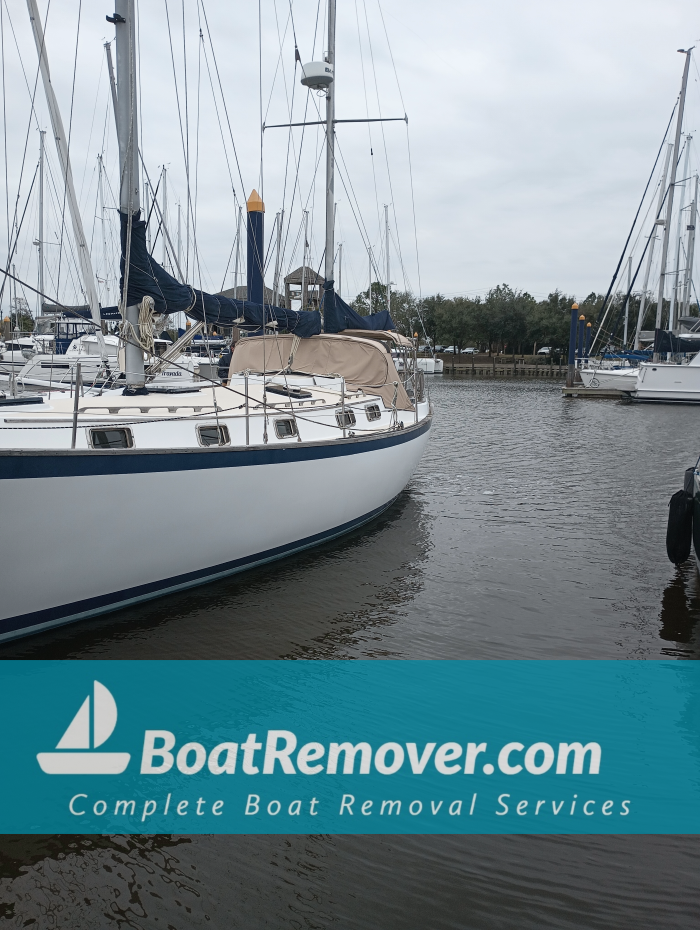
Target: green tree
x: 550, y: 322
x: 430, y: 309
x: 404, y: 313
x: 361, y: 303
x: 506, y: 316
x: 456, y: 321
x: 20, y: 317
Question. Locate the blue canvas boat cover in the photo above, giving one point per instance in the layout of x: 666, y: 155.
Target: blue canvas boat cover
x: 149, y: 279
x: 337, y: 315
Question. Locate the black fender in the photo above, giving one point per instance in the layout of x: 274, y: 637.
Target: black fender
x: 679, y: 531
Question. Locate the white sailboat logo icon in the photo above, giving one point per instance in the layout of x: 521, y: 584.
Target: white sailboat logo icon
x: 81, y: 761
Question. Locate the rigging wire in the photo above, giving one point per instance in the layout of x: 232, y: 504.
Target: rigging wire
x: 369, y: 125
x: 297, y: 58
x: 279, y: 60
x: 260, y: 103
x: 386, y: 150
x: 187, y: 153
x: 223, y: 98
x: 18, y: 226
x: 4, y: 123
x: 196, y: 156
x: 629, y: 236
x: 408, y: 148
x: 221, y: 128
x: 32, y: 96
x: 92, y: 124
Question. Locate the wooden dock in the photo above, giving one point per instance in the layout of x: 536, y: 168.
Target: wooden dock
x: 578, y: 390
x: 496, y: 369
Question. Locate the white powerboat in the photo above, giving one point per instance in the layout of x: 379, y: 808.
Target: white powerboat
x: 428, y: 364
x: 668, y: 383
x: 15, y: 352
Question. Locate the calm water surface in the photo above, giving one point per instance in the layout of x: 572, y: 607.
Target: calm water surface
x: 533, y: 529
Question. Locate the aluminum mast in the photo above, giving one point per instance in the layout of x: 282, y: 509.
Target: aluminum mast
x: 692, y: 223
x: 330, y: 147
x: 84, y: 261
x: 129, y: 202
x: 278, y: 258
x: 164, y: 259
x: 674, y: 166
x: 40, y: 240
x: 100, y: 191
x: 388, y: 272
x: 673, y: 311
x: 650, y: 255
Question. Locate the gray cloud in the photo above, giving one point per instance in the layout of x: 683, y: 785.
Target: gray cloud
x: 533, y: 126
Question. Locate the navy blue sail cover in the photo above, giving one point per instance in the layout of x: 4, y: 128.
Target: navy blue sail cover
x: 149, y: 279
x: 337, y: 315
x: 666, y: 341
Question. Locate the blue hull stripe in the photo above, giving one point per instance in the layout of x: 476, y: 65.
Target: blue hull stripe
x: 64, y: 463
x: 56, y: 616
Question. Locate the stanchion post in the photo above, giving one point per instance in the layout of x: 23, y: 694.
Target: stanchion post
x: 76, y: 400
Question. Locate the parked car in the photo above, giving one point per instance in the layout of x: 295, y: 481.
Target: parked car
x: 425, y: 349
x: 545, y: 350
x: 452, y: 349
x: 470, y: 350
x: 439, y: 348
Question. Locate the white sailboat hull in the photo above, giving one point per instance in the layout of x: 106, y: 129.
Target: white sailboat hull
x: 63, y: 562
x: 612, y: 379
x: 671, y: 384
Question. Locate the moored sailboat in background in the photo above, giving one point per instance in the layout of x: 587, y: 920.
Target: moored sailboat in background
x: 621, y: 363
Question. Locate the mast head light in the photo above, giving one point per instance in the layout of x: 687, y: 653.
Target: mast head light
x: 317, y: 75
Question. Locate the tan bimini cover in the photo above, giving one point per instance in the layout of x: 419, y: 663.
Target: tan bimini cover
x: 383, y: 335
x: 363, y: 363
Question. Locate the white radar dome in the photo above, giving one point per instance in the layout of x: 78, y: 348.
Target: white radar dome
x: 318, y: 75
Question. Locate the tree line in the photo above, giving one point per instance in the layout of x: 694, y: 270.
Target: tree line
x: 505, y: 320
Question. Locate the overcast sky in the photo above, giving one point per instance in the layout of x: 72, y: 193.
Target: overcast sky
x: 533, y: 127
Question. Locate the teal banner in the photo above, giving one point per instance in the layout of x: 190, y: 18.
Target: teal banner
x: 350, y: 747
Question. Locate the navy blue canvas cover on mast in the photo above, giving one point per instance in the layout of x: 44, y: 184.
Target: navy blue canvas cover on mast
x: 149, y: 279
